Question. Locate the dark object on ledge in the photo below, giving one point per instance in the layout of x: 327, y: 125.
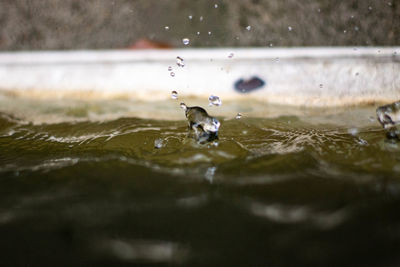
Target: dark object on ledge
x: 249, y: 85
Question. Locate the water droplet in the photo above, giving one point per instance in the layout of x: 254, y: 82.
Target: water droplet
x: 356, y: 28
x: 277, y: 59
x: 379, y: 51
x: 185, y: 41
x: 190, y: 16
x: 201, y: 18
x: 290, y: 28
x: 198, y: 33
x: 355, y: 48
x: 357, y: 73
x: 174, y: 95
x: 394, y: 53
x: 238, y: 116
x: 321, y: 85
x: 352, y: 16
x: 172, y: 74
x: 248, y: 28
x: 166, y: 28
x: 389, y: 3
x: 216, y: 6
x: 319, y: 10
x: 209, y: 33
x: 271, y: 45
x: 158, y: 143
x: 370, y: 8
x: 230, y: 55
x: 344, y: 31
x: 214, y: 100
x: 237, y: 38
x: 169, y: 68
x: 180, y: 62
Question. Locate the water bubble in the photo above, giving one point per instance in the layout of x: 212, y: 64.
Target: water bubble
x: 216, y: 6
x: 158, y: 143
x: 248, y: 28
x: 169, y: 68
x: 214, y: 100
x: 185, y: 41
x: 230, y: 55
x: 321, y: 85
x: 209, y: 33
x: 201, y: 18
x: 238, y: 116
x: 180, y: 62
x: 174, y: 95
x: 290, y: 28
x: 172, y: 74
x: 190, y: 16
x: 166, y: 28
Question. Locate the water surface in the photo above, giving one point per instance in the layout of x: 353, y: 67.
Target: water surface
x: 83, y: 184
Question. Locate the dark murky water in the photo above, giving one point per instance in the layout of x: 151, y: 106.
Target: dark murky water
x: 301, y: 190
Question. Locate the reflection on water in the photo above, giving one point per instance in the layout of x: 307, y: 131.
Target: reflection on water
x: 301, y: 189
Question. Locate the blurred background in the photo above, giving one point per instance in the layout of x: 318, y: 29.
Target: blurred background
x: 100, y: 24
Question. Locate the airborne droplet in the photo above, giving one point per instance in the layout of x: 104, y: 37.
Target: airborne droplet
x: 180, y: 62
x: 214, y: 100
x: 166, y: 28
x: 230, y: 55
x: 169, y: 68
x: 216, y: 6
x: 190, y: 16
x: 290, y: 28
x: 174, y: 95
x: 172, y: 74
x: 185, y: 41
x: 321, y: 85
x: 248, y: 28
x: 238, y: 116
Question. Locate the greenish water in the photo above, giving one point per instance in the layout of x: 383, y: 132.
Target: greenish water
x: 318, y: 188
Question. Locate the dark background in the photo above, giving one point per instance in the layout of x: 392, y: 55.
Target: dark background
x: 105, y: 24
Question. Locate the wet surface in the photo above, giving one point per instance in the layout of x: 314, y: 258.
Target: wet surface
x: 286, y: 190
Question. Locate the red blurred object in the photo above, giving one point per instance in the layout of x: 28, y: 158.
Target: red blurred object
x: 149, y: 44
